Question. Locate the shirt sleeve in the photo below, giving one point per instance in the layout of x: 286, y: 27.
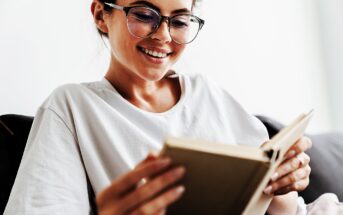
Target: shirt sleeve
x: 301, y: 209
x: 51, y: 178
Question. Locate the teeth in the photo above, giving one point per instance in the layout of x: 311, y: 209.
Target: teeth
x: 154, y: 53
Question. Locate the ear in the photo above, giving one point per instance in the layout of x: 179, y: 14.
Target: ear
x: 97, y: 9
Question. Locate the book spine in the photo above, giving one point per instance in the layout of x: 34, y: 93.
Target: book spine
x: 259, y: 202
x: 254, y: 184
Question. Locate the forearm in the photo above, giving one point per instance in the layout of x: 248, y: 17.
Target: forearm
x: 284, y: 204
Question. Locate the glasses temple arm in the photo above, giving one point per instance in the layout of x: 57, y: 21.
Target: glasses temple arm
x: 114, y: 6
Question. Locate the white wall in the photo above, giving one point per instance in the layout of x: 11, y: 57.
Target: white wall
x: 331, y: 25
x: 45, y: 44
x: 266, y: 53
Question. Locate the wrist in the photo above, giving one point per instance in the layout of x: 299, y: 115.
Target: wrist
x: 284, y: 204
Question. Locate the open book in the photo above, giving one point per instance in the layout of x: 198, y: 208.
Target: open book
x: 229, y: 179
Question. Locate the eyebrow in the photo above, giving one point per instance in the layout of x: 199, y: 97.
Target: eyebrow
x: 151, y: 5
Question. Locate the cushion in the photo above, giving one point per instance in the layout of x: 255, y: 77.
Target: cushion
x: 326, y: 163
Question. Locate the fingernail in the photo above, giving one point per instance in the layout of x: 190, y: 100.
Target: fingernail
x: 142, y: 182
x: 275, y: 176
x: 268, y: 190
x: 290, y: 154
x: 296, y: 162
x: 301, y: 160
x: 180, y: 170
x: 180, y: 189
x: 165, y: 161
x: 154, y: 153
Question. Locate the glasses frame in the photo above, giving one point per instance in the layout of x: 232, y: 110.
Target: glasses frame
x: 168, y: 19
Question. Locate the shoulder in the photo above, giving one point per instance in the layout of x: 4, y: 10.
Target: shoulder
x: 201, y: 82
x: 227, y: 110
x: 72, y: 96
x: 205, y: 89
x: 197, y: 80
x: 71, y: 92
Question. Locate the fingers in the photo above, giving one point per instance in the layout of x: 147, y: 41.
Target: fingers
x: 153, y: 187
x: 158, y: 205
x: 297, y: 180
x: 131, y: 179
x: 290, y: 165
x: 151, y: 156
x: 299, y: 146
x: 298, y: 186
x: 162, y: 212
x: 293, y: 173
x: 124, y: 196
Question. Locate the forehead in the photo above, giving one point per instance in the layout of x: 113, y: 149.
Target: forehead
x: 165, y: 6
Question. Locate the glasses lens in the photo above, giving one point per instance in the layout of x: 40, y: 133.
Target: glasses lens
x: 142, y: 21
x: 184, y: 28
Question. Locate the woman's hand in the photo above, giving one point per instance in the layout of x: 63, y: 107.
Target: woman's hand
x: 293, y: 174
x: 128, y: 195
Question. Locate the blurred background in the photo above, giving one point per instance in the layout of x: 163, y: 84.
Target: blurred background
x: 276, y: 57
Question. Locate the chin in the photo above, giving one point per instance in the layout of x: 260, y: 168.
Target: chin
x: 154, y: 74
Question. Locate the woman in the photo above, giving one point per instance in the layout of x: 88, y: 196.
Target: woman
x: 91, y: 136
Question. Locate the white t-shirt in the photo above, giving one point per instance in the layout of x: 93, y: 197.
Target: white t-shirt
x: 90, y: 130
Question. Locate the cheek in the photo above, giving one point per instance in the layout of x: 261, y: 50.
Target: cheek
x: 122, y: 42
x: 179, y: 49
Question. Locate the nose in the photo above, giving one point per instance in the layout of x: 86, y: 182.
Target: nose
x: 162, y: 34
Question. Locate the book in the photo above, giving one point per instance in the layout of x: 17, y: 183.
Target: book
x: 229, y: 179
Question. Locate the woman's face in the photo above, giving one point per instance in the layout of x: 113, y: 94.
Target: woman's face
x: 129, y: 52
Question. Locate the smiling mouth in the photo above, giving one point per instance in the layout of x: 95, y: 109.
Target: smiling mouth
x: 154, y: 54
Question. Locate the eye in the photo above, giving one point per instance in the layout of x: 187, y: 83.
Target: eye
x: 143, y: 15
x: 181, y: 22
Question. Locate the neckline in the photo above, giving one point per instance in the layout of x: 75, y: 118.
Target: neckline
x: 184, y: 83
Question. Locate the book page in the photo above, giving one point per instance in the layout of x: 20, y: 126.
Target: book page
x: 284, y: 140
x: 279, y: 145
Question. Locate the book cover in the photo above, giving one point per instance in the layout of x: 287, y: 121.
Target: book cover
x: 229, y: 179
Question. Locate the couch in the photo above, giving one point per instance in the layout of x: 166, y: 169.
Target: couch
x: 326, y: 157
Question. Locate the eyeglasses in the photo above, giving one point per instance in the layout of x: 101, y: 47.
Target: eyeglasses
x: 143, y: 22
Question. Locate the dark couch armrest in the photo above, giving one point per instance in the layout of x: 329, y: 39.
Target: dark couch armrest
x: 14, y: 130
